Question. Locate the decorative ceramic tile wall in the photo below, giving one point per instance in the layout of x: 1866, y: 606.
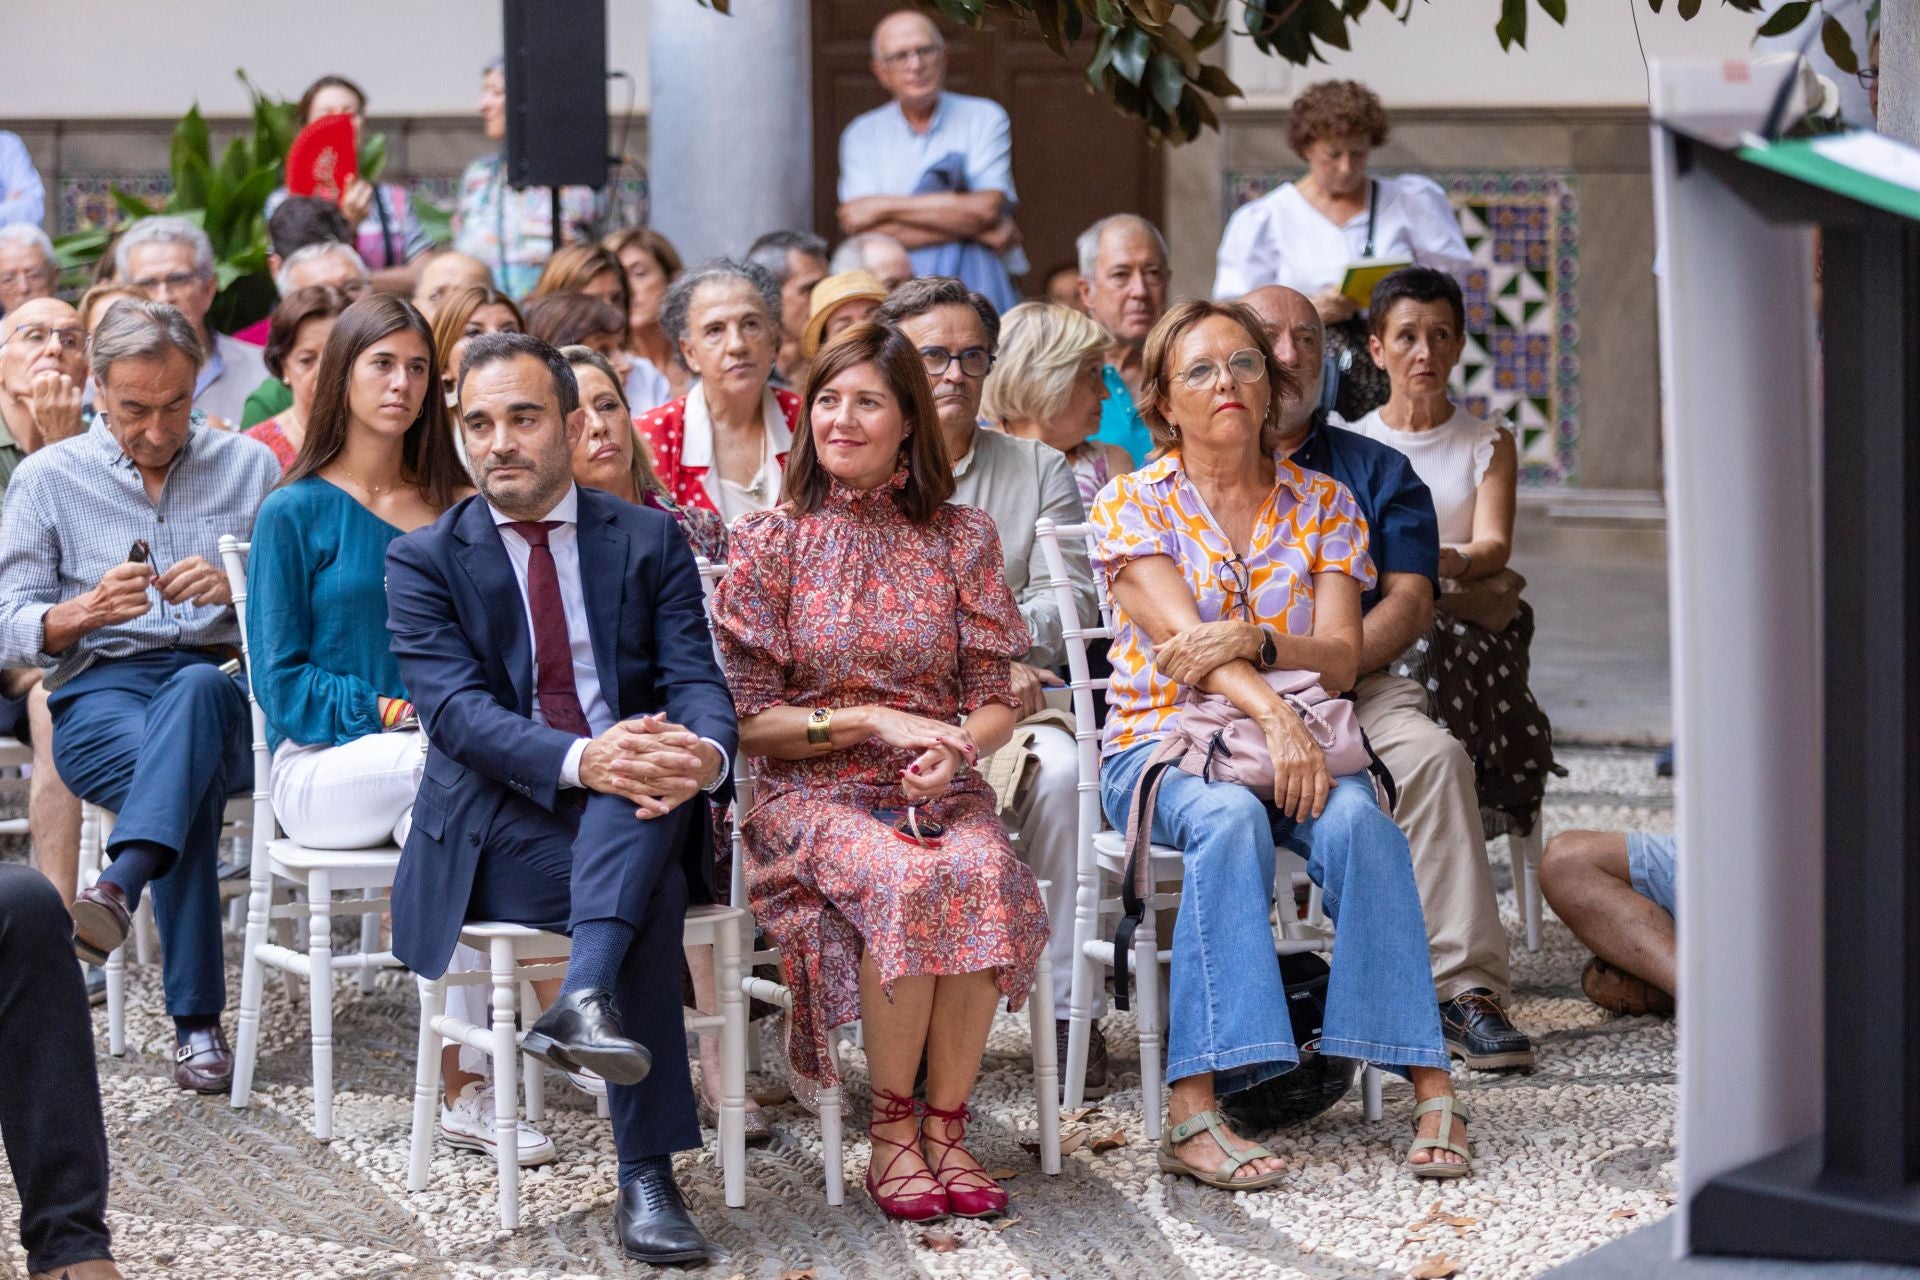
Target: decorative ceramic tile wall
x: 1522, y: 360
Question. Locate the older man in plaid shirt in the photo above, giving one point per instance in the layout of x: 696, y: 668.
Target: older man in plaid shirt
x: 108, y: 576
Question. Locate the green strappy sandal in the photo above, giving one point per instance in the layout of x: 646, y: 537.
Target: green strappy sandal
x: 1222, y: 1177
x: 1450, y: 1109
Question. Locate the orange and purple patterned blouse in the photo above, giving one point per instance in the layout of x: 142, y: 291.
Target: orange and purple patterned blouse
x: 1309, y: 525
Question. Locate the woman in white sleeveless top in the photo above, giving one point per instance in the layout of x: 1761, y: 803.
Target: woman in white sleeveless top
x: 1474, y: 660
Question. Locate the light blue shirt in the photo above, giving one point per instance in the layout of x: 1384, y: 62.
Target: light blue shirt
x: 882, y: 155
x: 22, y: 197
x: 1120, y: 421
x: 73, y: 511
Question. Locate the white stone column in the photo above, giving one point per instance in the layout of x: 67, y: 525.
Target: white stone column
x: 730, y: 123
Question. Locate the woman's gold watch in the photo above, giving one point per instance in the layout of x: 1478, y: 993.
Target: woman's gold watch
x: 1269, y: 651
x: 820, y: 727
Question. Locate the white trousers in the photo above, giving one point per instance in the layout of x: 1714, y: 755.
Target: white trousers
x: 353, y: 796
x: 1050, y: 838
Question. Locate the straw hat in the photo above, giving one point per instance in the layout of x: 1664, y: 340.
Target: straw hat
x: 827, y: 297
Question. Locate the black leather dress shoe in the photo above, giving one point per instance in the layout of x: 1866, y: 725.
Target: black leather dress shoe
x: 202, y: 1062
x: 583, y: 1031
x: 1479, y: 1034
x: 652, y: 1223
x: 101, y: 922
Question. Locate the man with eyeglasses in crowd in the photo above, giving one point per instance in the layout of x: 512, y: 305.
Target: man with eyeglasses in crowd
x: 43, y: 370
x: 1015, y: 482
x: 324, y: 262
x: 27, y: 268
x: 170, y: 260
x: 933, y: 169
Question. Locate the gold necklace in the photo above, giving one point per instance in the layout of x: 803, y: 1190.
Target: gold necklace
x: 373, y: 491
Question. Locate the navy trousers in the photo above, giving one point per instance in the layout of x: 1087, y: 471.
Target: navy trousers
x: 160, y: 739
x: 49, y: 1092
x: 556, y: 870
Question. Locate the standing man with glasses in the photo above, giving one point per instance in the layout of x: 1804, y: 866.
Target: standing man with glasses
x: 170, y: 260
x: 933, y: 169
x: 1015, y: 482
x: 27, y: 267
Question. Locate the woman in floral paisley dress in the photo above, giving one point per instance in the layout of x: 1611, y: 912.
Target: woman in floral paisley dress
x: 868, y: 603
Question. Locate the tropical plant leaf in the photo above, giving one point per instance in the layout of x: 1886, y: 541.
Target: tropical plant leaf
x: 1689, y: 9
x: 191, y: 161
x: 1839, y: 46
x: 130, y: 205
x: 1327, y: 23
x: 1131, y: 49
x: 434, y: 220
x: 1512, y: 26
x: 373, y: 156
x: 1557, y: 9
x: 1786, y: 18
x: 1165, y: 82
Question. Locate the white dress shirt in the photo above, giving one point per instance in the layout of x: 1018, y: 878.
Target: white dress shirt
x: 564, y: 542
x: 1281, y: 239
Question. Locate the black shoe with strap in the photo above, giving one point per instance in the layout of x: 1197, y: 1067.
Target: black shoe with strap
x: 1479, y: 1034
x: 651, y: 1222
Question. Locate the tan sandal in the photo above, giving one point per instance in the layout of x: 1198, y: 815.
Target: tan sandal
x: 1450, y: 1109
x: 1221, y: 1177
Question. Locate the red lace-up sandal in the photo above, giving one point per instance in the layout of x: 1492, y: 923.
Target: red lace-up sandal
x: 896, y: 1193
x: 971, y: 1192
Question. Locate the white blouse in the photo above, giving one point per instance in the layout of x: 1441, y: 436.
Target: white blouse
x: 1281, y: 239
x: 1451, y: 459
x: 730, y: 499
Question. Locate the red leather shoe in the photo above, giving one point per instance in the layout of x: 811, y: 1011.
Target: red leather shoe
x: 909, y: 1205
x: 970, y: 1191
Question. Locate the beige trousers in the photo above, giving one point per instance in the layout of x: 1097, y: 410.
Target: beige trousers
x: 1440, y: 813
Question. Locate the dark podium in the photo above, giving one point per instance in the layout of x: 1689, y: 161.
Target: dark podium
x: 1790, y: 351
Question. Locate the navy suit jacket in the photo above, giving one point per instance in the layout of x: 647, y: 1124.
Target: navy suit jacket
x: 459, y: 630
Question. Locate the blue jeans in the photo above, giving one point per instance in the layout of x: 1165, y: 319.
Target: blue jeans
x: 160, y: 739
x: 1227, y: 1011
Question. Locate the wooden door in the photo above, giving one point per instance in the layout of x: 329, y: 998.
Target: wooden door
x: 1075, y: 159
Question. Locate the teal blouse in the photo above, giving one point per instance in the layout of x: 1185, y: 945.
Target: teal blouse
x: 317, y: 615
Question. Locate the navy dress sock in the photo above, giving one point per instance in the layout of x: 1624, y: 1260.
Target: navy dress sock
x: 135, y: 864
x: 633, y: 1169
x: 599, y: 947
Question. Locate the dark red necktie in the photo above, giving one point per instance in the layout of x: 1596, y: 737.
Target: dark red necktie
x: 552, y: 649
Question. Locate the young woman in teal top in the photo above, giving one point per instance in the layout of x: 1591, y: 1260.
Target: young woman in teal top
x: 377, y: 461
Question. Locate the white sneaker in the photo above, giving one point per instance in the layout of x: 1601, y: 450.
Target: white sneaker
x: 469, y: 1123
x: 588, y: 1083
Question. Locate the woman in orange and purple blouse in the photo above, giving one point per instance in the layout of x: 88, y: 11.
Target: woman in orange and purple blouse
x: 1224, y: 560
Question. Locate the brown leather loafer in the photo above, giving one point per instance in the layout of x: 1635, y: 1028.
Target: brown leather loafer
x: 1617, y: 991
x: 101, y: 922
x: 203, y: 1063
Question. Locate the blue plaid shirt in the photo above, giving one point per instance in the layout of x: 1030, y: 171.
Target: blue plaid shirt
x: 73, y: 511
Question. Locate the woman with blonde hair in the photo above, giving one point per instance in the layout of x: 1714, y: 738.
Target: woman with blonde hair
x: 1048, y: 383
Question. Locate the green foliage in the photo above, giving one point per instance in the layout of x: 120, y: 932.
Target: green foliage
x: 228, y: 199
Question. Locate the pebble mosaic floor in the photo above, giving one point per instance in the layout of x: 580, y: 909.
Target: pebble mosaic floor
x: 1569, y: 1157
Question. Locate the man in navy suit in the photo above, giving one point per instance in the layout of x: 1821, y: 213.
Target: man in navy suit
x: 555, y: 643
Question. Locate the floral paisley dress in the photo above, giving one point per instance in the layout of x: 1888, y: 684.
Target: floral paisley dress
x: 856, y: 605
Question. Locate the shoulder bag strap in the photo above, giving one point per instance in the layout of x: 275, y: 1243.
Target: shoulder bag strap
x: 1136, y: 885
